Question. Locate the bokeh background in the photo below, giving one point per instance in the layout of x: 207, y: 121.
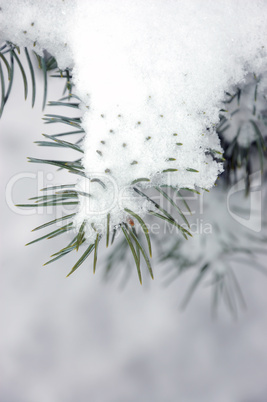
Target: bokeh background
x: 86, y: 339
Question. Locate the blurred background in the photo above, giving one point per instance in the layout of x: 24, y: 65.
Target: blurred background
x: 84, y: 338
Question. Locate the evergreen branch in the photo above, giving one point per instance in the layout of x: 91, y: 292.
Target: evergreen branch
x: 137, y: 261
x: 59, y: 143
x: 80, y: 236
x: 56, y: 232
x: 98, y: 237
x: 82, y: 259
x: 108, y: 223
x: 32, y: 76
x: 68, y: 133
x: 22, y: 73
x: 140, y: 247
x: 54, y: 221
x: 2, y: 90
x: 44, y: 69
x: 58, y: 187
x: 44, y: 63
x: 173, y: 204
x: 67, y: 104
x: 144, y: 227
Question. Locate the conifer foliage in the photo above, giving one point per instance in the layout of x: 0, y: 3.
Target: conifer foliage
x: 150, y: 132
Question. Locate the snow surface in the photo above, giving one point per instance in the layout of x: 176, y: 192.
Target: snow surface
x: 153, y: 75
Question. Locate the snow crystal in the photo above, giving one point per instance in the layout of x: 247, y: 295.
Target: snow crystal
x: 153, y: 74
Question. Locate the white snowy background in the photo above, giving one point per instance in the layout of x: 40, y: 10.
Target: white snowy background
x: 81, y: 339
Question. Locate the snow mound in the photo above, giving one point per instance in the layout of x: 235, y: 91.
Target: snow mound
x: 153, y: 75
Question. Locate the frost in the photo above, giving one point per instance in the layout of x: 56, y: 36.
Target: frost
x: 153, y: 75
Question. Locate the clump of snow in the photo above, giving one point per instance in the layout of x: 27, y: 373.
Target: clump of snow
x: 106, y: 197
x: 153, y: 74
